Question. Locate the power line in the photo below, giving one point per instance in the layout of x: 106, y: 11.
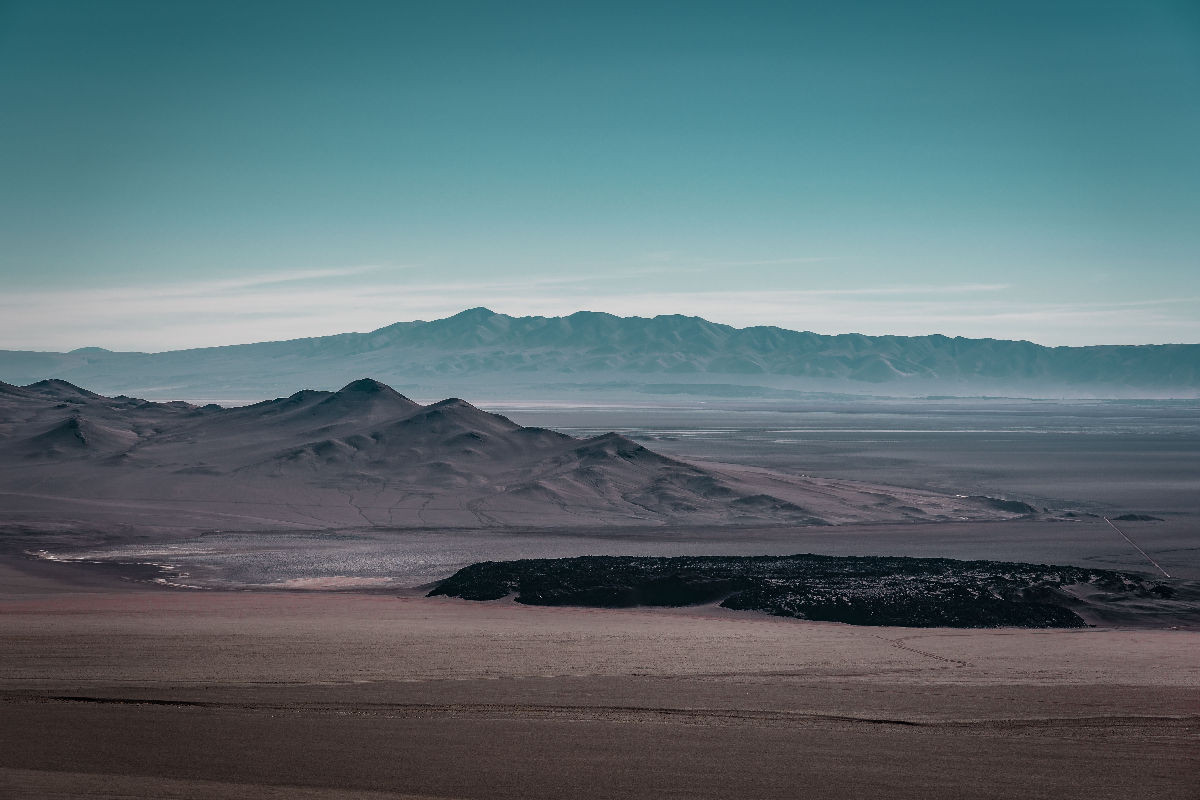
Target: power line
x: 1135, y: 547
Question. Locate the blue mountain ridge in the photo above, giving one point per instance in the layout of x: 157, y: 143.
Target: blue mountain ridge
x: 669, y: 349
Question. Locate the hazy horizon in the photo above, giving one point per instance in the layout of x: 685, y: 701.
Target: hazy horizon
x: 533, y: 316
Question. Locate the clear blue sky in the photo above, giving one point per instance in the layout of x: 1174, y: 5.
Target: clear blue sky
x: 189, y: 173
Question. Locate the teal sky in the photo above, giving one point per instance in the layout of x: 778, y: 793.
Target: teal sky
x: 191, y: 173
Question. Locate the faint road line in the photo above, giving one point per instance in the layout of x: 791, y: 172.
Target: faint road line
x: 1135, y: 547
x: 896, y: 643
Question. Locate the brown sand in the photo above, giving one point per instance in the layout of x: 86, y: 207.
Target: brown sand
x: 113, y: 690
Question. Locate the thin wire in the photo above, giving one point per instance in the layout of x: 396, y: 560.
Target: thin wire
x: 1135, y: 547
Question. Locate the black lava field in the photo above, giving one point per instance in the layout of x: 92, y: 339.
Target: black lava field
x: 884, y: 591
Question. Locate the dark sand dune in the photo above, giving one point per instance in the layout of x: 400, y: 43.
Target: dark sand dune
x: 368, y: 456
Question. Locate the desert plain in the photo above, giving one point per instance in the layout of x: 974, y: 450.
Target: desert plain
x: 161, y: 646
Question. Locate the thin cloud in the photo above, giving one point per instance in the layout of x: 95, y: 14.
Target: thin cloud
x: 678, y: 262
x: 964, y: 288
x: 773, y: 262
x: 190, y: 288
x: 294, y: 276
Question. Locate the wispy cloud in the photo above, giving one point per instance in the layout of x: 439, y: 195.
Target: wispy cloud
x: 674, y: 261
x: 276, y: 278
x: 772, y: 262
x: 199, y: 288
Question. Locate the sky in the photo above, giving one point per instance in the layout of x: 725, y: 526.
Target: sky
x: 198, y: 173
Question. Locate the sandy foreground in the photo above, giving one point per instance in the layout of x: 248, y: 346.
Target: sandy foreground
x: 110, y: 689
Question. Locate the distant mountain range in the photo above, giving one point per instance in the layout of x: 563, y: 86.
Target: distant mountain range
x: 498, y: 357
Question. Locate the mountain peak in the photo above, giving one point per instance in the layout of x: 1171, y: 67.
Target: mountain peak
x: 367, y: 394
x: 57, y: 387
x: 475, y: 314
x: 613, y: 443
x: 366, y: 386
x: 452, y: 402
x: 462, y: 412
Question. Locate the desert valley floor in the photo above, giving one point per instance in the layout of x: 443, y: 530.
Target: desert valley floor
x: 308, y: 662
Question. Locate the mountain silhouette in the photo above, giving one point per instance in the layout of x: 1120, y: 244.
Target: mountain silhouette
x: 483, y: 353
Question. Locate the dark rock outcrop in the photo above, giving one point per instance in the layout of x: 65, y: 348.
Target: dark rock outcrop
x: 912, y: 592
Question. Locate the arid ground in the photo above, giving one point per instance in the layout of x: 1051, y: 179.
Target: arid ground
x: 114, y: 686
x: 113, y: 689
